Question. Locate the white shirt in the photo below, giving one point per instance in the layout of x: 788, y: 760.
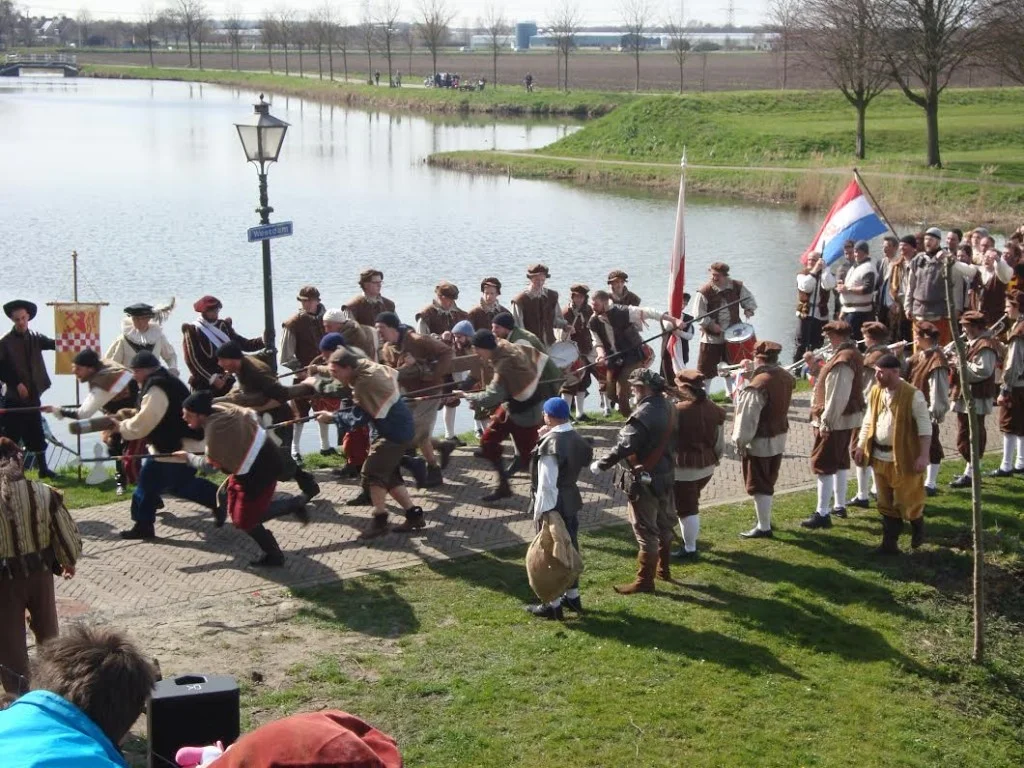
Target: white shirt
x: 98, y: 397
x: 637, y: 316
x: 722, y: 316
x: 517, y: 313
x: 884, y: 424
x: 121, y: 351
x: 861, y: 276
x: 547, y: 478
x: 816, y: 285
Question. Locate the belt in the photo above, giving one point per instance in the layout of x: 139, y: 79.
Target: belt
x: 881, y: 447
x: 26, y: 565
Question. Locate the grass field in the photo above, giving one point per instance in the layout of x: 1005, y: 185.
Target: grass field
x: 806, y: 650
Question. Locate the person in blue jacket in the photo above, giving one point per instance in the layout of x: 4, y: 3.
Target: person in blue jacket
x: 88, y: 687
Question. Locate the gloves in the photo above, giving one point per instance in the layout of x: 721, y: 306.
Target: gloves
x: 596, y: 468
x: 68, y: 412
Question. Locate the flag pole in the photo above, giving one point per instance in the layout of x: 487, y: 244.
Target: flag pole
x: 874, y: 202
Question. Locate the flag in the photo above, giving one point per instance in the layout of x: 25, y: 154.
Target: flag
x: 851, y: 218
x: 677, y: 271
x: 77, y: 327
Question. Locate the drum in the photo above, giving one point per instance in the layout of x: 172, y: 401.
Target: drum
x: 740, y: 341
x: 563, y: 354
x: 573, y: 375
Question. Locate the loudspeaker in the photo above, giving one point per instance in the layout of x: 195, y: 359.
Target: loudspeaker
x: 191, y: 711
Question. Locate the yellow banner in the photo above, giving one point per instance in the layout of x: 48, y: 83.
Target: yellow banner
x: 77, y: 328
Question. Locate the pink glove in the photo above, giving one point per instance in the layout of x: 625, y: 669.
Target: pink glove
x: 191, y: 757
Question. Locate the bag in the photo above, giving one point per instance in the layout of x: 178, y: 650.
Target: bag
x: 552, y: 562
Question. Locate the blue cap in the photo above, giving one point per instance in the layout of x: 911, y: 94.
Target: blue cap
x: 464, y: 328
x: 331, y: 341
x: 556, y: 408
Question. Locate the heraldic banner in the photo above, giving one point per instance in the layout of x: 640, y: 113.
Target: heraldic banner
x: 77, y: 327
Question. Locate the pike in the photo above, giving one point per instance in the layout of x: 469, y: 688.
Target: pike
x: 23, y: 409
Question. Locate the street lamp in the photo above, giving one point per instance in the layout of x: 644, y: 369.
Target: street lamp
x: 262, y: 138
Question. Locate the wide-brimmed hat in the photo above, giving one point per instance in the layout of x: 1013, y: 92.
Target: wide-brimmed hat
x: 140, y: 310
x: 12, y: 306
x: 447, y: 290
x: 690, y: 377
x: 617, y: 274
x: 647, y: 378
x: 972, y: 317
x: 767, y: 349
x: 538, y: 269
x: 493, y: 281
x: 207, y: 303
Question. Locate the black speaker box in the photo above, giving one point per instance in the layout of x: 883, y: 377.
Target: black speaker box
x: 191, y: 711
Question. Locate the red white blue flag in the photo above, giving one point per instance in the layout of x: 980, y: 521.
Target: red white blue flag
x: 851, y: 218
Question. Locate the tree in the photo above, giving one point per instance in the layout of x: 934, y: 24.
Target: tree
x: 497, y: 28
x: 1004, y: 30
x: 8, y: 22
x: 840, y: 40
x: 269, y: 35
x: 201, y: 27
x: 344, y: 32
x: 783, y: 20
x: 285, y: 33
x: 387, y: 20
x: 328, y: 20
x: 635, y: 17
x: 369, y: 35
x: 566, y: 21
x: 434, y: 18
x: 926, y: 42
x: 678, y: 44
x: 409, y: 38
x: 316, y: 30
x: 233, y: 27
x: 83, y: 22
x: 147, y: 30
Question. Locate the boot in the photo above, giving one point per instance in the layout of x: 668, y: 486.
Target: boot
x: 503, y: 491
x: 644, y: 576
x: 348, y: 472
x: 307, y: 484
x: 378, y: 527
x: 362, y: 500
x: 417, y: 467
x: 445, y: 448
x: 413, y: 521
x: 891, y: 529
x: 917, y: 532
x: 272, y: 556
x: 140, y: 532
x: 45, y: 473
x: 119, y: 479
x: 665, y: 559
x: 434, y: 477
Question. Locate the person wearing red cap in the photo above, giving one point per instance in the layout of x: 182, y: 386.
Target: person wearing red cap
x: 929, y: 372
x: 1011, y: 392
x: 200, y: 340
x: 984, y: 355
x: 300, y: 345
x: 537, y: 309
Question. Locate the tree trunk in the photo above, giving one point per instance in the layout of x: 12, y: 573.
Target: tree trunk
x: 494, y: 83
x: 558, y: 69
x: 369, y: 64
x: 681, y: 63
x: 638, y: 71
x: 862, y: 109
x: 931, y: 114
x: 977, y: 521
x: 704, y: 73
x: 200, y: 42
x: 344, y: 63
x: 287, y: 71
x: 565, y: 71
x: 270, y: 57
x: 320, y: 59
x: 785, y: 67
x: 433, y: 61
x: 238, y: 57
x: 188, y: 36
x: 302, y: 72
x: 152, y: 63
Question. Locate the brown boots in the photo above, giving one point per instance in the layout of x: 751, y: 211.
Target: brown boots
x: 664, y: 558
x: 644, y: 576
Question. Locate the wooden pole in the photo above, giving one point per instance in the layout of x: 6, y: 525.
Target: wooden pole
x: 977, y: 521
x: 874, y: 202
x: 78, y: 395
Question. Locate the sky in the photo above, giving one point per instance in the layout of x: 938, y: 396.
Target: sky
x: 594, y: 11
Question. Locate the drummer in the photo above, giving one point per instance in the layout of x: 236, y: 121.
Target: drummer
x: 577, y: 317
x: 713, y: 300
x: 615, y: 331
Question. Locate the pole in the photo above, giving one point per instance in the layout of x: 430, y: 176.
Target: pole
x: 269, y: 335
x: 78, y: 396
x: 874, y: 202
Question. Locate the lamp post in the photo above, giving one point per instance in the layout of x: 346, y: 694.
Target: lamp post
x: 262, y: 138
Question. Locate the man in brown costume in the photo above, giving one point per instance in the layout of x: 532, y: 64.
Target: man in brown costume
x: 700, y: 442
x: 837, y: 407
x: 929, y: 372
x: 620, y: 293
x: 439, y: 320
x: 876, y: 338
x: 365, y: 307
x: 200, y: 340
x: 712, y: 300
x: 300, y: 344
x: 482, y: 315
x: 760, y: 430
x: 577, y: 317
x: 984, y: 355
x: 1011, y: 392
x: 536, y: 309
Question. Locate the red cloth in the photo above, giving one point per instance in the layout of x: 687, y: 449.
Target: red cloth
x: 501, y: 427
x: 133, y: 466
x: 247, y: 509
x: 330, y: 738
x: 356, y: 445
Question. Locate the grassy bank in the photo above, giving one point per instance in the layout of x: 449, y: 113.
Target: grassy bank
x: 503, y: 100
x: 803, y: 650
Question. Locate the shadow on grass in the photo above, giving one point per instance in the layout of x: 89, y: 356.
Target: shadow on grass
x: 369, y: 606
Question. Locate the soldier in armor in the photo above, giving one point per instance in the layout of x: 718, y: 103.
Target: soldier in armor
x: 482, y: 315
x: 984, y: 355
x: 760, y: 430
x: 620, y: 293
x: 876, y: 338
x: 200, y: 340
x: 536, y: 309
x: 616, y: 335
x: 159, y: 420
x: 1011, y: 393
x: 142, y: 331
x: 929, y: 372
x: 300, y: 344
x: 700, y: 443
x: 577, y: 316
x: 814, y: 287
x: 837, y: 407
x: 365, y: 307
x: 713, y: 299
x: 555, y: 466
x: 643, y: 463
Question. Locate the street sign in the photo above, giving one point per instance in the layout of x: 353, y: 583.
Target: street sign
x: 270, y: 231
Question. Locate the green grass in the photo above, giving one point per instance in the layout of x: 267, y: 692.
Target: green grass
x: 806, y: 650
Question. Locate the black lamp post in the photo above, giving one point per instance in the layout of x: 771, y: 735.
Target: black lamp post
x: 262, y: 138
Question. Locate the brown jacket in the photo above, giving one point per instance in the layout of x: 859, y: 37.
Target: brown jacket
x: 697, y: 423
x: 431, y: 360
x: 988, y: 388
x: 922, y: 366
x: 438, y: 320
x: 777, y: 386
x: 364, y: 311
x: 848, y: 355
x: 482, y: 318
x: 21, y: 362
x: 308, y: 330
x: 538, y: 314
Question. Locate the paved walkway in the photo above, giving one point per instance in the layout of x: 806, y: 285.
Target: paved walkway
x: 192, y: 561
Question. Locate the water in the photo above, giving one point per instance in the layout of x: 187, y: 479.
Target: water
x: 147, y: 181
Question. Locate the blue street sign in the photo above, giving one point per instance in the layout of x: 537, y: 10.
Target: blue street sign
x: 270, y: 231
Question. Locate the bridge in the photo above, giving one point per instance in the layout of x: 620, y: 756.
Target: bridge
x: 14, y: 63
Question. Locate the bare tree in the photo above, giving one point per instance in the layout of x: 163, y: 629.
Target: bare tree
x: 784, y: 20
x: 83, y: 21
x: 636, y: 15
x: 269, y: 34
x: 317, y: 37
x: 201, y: 25
x: 327, y: 16
x: 926, y: 42
x: 369, y: 34
x: 285, y: 33
x: 839, y: 39
x: 147, y: 29
x: 409, y: 38
x: 233, y: 27
x: 565, y: 22
x: 434, y: 18
x: 187, y: 12
x: 1004, y: 30
x: 678, y: 44
x: 387, y: 19
x: 344, y: 32
x: 497, y: 28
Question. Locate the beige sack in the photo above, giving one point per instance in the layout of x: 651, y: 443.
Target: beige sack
x: 552, y: 562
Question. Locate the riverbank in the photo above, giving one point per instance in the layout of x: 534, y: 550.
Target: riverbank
x: 503, y: 100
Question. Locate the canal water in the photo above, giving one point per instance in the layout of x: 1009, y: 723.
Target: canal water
x: 148, y: 183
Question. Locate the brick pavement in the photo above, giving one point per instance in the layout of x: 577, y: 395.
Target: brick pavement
x: 193, y: 561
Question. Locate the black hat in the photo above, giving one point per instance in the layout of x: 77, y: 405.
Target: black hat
x: 888, y: 361
x: 12, y: 306
x: 484, y: 339
x: 144, y: 359
x: 200, y: 402
x: 909, y: 240
x: 229, y: 350
x: 390, y: 319
x: 139, y: 310
x: 505, y: 320
x: 87, y: 358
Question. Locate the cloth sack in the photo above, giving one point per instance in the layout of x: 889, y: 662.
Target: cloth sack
x: 552, y: 562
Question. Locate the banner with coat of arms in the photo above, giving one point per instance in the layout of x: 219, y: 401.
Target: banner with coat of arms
x: 77, y: 327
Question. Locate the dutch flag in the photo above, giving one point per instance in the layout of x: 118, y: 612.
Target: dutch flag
x: 851, y: 218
